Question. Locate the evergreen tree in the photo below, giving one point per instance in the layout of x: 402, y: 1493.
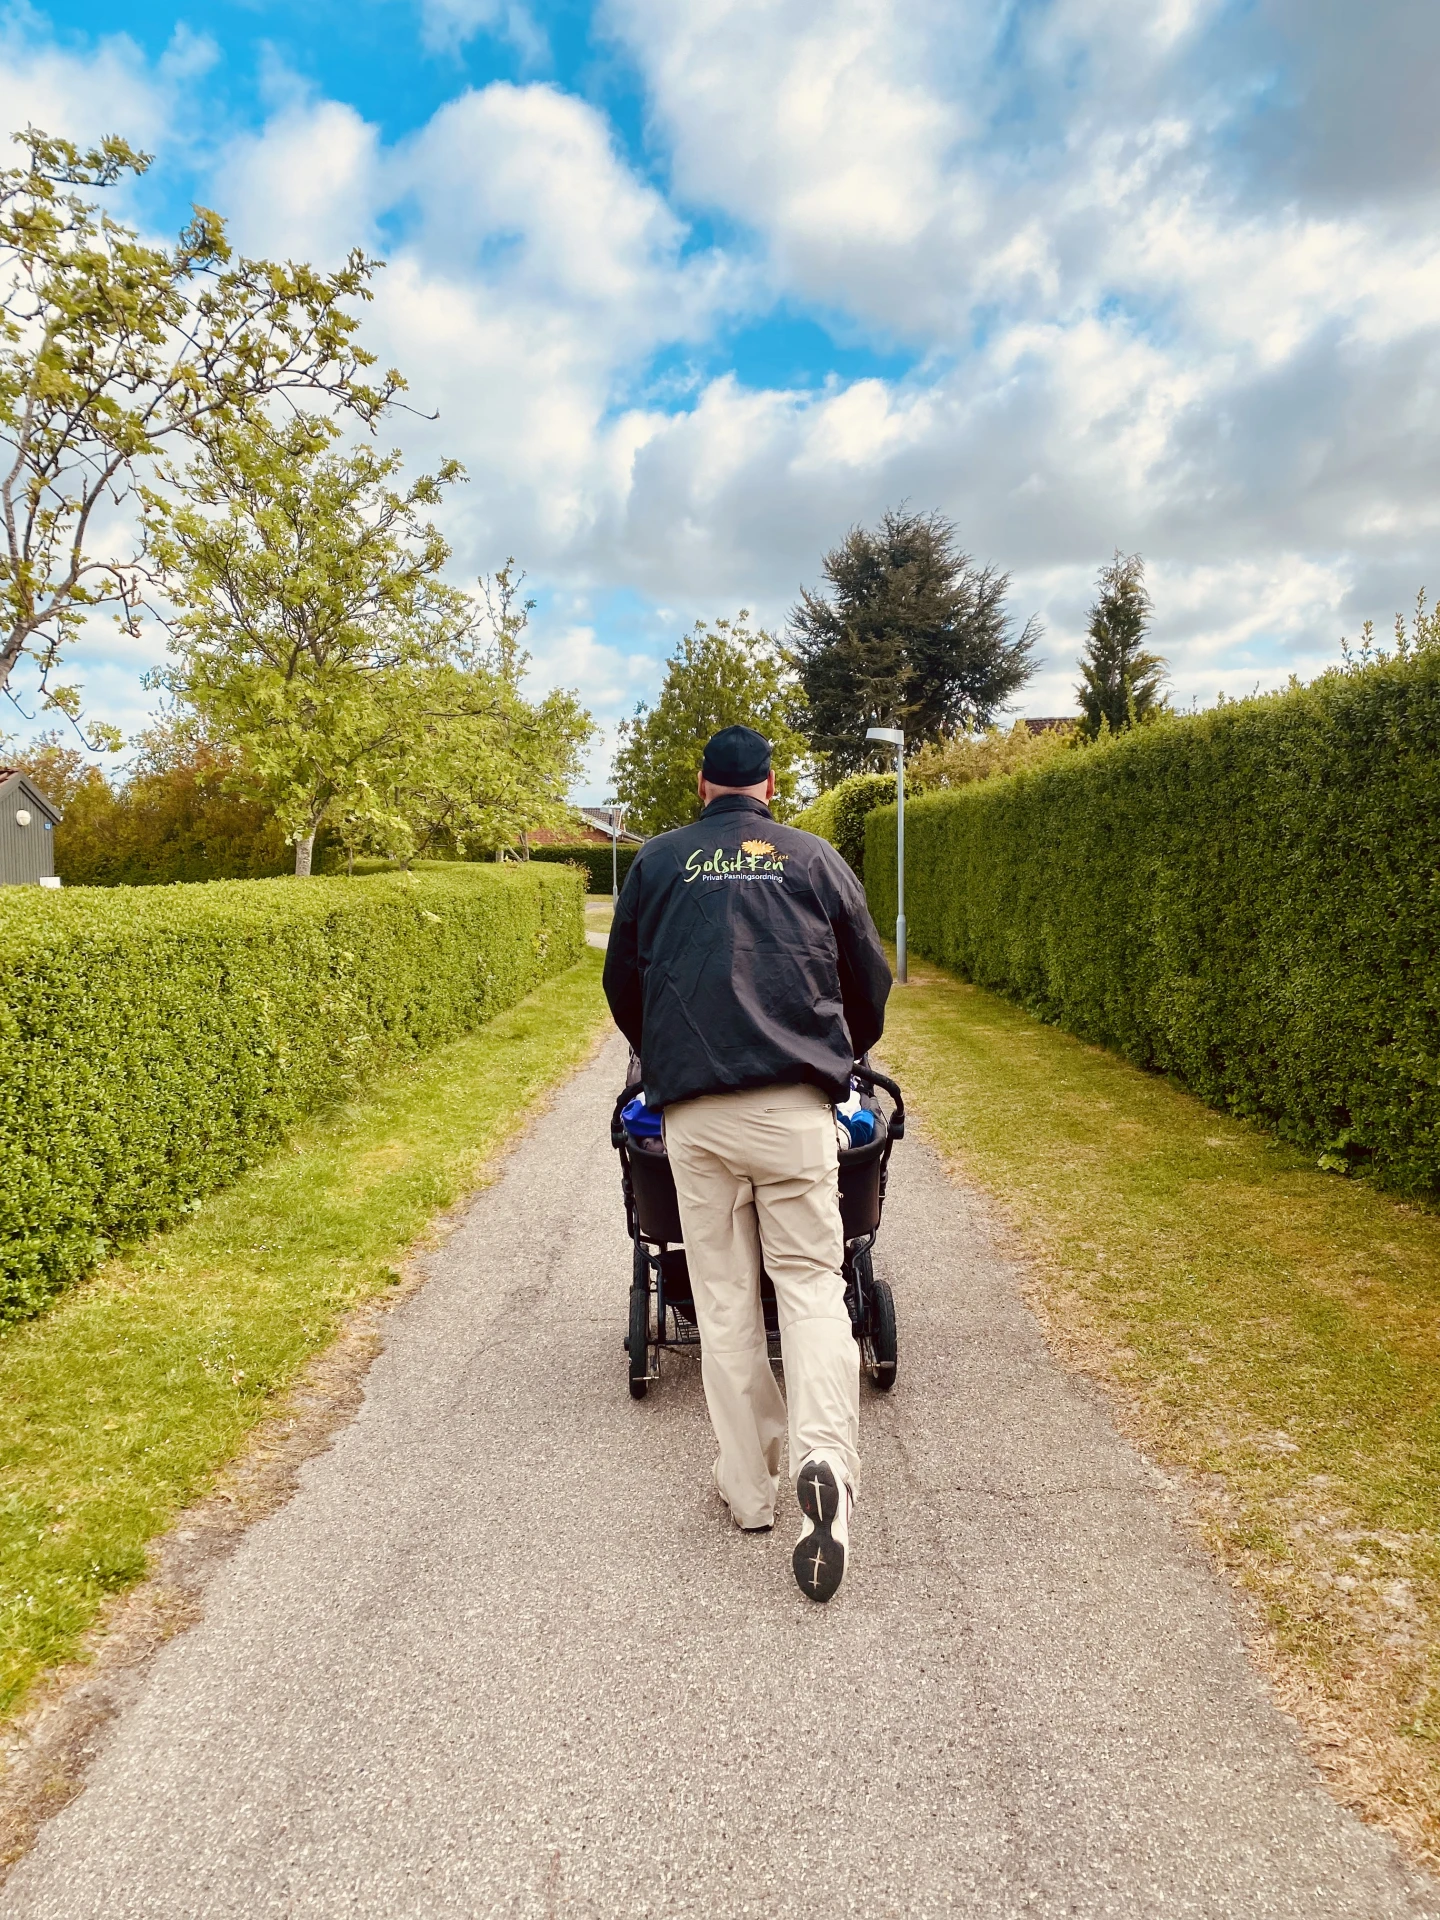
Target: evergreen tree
x: 911, y: 634
x: 1121, y: 684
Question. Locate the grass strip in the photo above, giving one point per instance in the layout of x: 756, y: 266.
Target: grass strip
x: 1270, y: 1327
x: 119, y: 1406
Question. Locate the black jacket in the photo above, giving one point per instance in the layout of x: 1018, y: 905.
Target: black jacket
x: 743, y: 955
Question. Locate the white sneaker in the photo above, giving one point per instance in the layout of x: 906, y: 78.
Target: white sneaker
x: 824, y: 1543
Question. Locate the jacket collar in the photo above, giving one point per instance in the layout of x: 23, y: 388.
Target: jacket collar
x: 737, y: 803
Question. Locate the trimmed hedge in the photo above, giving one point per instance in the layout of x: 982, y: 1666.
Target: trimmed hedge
x: 593, y: 858
x: 1248, y: 899
x: 153, y: 1043
x: 839, y: 815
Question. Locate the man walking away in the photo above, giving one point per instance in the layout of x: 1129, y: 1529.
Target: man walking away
x: 744, y: 969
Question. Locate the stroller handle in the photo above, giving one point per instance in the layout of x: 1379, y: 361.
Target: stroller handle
x: 869, y: 1080
x: 617, y: 1125
x: 862, y: 1071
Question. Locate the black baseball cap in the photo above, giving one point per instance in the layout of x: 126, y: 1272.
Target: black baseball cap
x: 736, y: 757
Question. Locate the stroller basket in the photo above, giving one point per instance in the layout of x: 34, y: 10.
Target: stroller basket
x: 662, y: 1306
x: 657, y: 1211
x: 862, y: 1182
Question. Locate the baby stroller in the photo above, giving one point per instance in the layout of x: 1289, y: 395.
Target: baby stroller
x: 662, y: 1307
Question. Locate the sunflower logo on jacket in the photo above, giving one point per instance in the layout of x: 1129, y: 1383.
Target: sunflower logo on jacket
x: 750, y: 859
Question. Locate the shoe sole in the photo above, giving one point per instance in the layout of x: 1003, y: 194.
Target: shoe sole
x: 818, y: 1559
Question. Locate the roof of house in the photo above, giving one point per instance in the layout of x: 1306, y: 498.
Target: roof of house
x: 9, y: 775
x: 599, y: 817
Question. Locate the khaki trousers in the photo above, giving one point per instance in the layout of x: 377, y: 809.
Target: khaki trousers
x: 757, y: 1170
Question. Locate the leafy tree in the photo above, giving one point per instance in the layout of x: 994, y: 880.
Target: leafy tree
x: 493, y: 768
x: 305, y: 611
x: 485, y: 766
x: 180, y: 817
x: 112, y: 350
x: 1121, y: 684
x: 719, y: 675
x: 61, y: 771
x: 169, y: 819
x: 313, y: 633
x: 967, y: 757
x: 911, y: 634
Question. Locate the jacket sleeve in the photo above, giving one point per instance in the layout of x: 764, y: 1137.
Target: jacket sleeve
x: 864, y: 970
x: 624, y: 988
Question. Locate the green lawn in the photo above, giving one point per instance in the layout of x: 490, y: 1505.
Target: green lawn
x: 1270, y: 1327
x: 120, y: 1404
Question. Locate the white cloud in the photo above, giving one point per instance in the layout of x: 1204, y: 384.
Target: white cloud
x: 574, y: 656
x: 535, y: 272
x: 521, y: 188
x: 820, y: 129
x: 1122, y: 337
x: 448, y: 24
x: 79, y: 96
x: 84, y: 93
x: 306, y: 188
x: 1127, y: 341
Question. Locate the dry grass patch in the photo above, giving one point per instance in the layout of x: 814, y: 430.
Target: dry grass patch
x: 1269, y: 1328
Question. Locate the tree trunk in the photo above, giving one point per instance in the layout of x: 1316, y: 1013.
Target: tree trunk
x: 304, y: 850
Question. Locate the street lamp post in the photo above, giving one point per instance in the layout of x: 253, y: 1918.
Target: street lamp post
x: 615, y: 817
x: 895, y: 737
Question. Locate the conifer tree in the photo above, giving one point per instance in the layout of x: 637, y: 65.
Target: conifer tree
x: 911, y: 633
x: 1121, y: 683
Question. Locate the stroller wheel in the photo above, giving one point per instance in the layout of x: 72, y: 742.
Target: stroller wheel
x: 638, y: 1342
x: 882, y: 1343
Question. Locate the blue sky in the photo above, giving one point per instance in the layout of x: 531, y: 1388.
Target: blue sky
x: 695, y: 285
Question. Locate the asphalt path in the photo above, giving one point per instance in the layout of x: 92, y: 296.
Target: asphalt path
x: 503, y: 1652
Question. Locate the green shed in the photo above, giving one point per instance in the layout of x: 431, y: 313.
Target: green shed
x: 27, y: 833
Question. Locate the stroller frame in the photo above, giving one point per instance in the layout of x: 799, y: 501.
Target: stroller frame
x: 662, y: 1313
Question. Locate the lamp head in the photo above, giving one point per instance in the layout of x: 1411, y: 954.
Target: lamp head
x: 892, y: 736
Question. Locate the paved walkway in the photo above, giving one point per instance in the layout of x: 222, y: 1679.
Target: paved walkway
x: 503, y: 1653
